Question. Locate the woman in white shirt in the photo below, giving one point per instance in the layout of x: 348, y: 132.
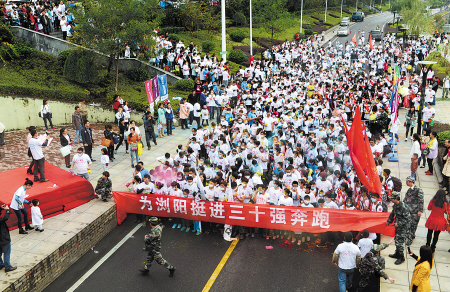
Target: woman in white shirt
x: 17, y: 205
x: 46, y: 114
x: 64, y: 27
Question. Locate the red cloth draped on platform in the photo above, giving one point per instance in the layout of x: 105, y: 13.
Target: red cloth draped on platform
x: 361, y: 154
x: 314, y: 220
x: 70, y: 191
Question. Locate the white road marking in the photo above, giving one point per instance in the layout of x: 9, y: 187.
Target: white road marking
x: 103, y: 259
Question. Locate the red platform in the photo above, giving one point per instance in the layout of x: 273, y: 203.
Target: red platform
x: 71, y: 191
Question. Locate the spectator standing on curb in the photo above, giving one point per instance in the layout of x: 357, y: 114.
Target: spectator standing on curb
x: 414, y: 200
x: 18, y: 207
x: 445, y: 87
x: 83, y: 110
x: 149, y: 128
x: 5, y: 241
x: 401, y: 217
x: 436, y: 221
x: 65, y: 141
x: 83, y: 163
x: 109, y: 134
x: 88, y: 140
x: 133, y: 139
x: 46, y: 114
x: 38, y: 156
x: 347, y: 256
x: 115, y: 107
x: 77, y: 124
x: 433, y: 147
x: 169, y: 119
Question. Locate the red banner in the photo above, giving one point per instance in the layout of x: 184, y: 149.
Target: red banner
x: 149, y: 90
x: 313, y: 220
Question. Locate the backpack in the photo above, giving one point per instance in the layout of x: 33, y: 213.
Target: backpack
x: 383, y: 204
x: 386, y: 150
x: 367, y: 266
x: 397, y: 184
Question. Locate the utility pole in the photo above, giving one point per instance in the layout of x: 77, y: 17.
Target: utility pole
x: 224, y: 34
x: 356, y: 5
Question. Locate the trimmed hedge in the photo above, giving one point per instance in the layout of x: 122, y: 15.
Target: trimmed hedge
x: 346, y: 10
x: 62, y: 94
x: 246, y: 50
x: 237, y: 36
x: 267, y: 43
x: 185, y: 84
x: 318, y: 29
x: 334, y: 15
x: 316, y: 17
x: 208, y: 46
x: 442, y: 136
x: 308, y: 32
x: 170, y: 29
x: 328, y: 24
x: 238, y: 56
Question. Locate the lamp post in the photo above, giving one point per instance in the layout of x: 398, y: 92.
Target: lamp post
x: 251, y: 30
x: 326, y: 6
x: 422, y: 94
x: 356, y: 5
x: 224, y: 34
x: 301, y: 18
x: 342, y: 3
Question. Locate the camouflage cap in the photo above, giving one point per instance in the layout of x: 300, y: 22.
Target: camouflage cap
x: 153, y: 220
x: 395, y: 195
x: 411, y: 179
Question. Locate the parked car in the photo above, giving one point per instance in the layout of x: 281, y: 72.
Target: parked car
x: 358, y: 16
x: 345, y: 21
x: 376, y: 35
x: 343, y: 31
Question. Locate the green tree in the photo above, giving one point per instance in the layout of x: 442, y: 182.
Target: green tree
x: 108, y: 26
x: 272, y: 15
x: 416, y: 18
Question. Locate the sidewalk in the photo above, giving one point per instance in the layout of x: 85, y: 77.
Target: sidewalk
x: 440, y: 275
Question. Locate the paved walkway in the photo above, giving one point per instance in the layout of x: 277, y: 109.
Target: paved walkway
x: 440, y: 276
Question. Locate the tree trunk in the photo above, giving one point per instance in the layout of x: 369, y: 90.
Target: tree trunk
x: 117, y: 72
x: 110, y: 62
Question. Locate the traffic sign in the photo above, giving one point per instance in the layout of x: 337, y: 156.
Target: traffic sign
x: 223, y: 52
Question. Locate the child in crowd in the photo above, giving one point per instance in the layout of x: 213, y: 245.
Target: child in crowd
x: 104, y: 187
x: 205, y: 116
x: 365, y: 243
x: 36, y: 216
x: 414, y: 165
x: 105, y: 159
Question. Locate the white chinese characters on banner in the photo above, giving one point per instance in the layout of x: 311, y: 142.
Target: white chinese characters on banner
x: 163, y: 204
x: 145, y: 203
x: 217, y: 210
x: 198, y: 208
x: 179, y: 206
x: 278, y: 216
x: 321, y: 218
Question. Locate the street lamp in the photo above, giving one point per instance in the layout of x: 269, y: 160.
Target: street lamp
x: 326, y: 6
x: 342, y: 3
x: 301, y: 18
x: 422, y: 94
x: 356, y: 5
x: 224, y: 34
x: 251, y: 38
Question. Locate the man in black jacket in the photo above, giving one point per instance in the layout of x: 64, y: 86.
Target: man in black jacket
x: 5, y: 241
x: 88, y: 140
x: 149, y: 123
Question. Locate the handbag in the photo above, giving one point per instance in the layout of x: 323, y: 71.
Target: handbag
x: 65, y: 150
x: 140, y: 148
x: 105, y: 142
x: 425, y: 151
x: 133, y: 147
x: 116, y: 139
x: 431, y: 123
x: 40, y: 115
x: 423, y: 146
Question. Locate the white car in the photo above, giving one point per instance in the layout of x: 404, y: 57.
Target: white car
x: 343, y: 31
x: 345, y: 21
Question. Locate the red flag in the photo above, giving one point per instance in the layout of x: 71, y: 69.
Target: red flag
x: 353, y: 40
x: 285, y: 42
x: 362, y: 157
x: 370, y: 42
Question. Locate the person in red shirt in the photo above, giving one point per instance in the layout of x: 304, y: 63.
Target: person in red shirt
x: 115, y: 106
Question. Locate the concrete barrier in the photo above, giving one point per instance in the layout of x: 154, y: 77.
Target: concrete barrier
x: 54, y: 46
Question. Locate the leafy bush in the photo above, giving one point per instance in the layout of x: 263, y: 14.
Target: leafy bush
x: 6, y: 35
x: 62, y: 57
x: 24, y: 50
x: 80, y: 67
x: 238, y: 56
x: 174, y: 36
x: 308, y: 32
x: 240, y: 19
x: 208, y: 46
x: 170, y: 29
x: 442, y: 136
x: 7, y: 52
x: 301, y: 36
x: 434, y: 55
x: 443, y: 62
x: 334, y: 15
x: 43, y: 92
x: 185, y: 84
x: 237, y: 36
x: 138, y: 74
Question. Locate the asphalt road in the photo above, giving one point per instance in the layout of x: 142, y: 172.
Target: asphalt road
x: 367, y: 25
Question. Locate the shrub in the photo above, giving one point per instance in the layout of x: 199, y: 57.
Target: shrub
x: 43, y: 92
x: 208, y: 46
x: 185, y: 84
x: 317, y: 29
x: 308, y: 32
x: 138, y: 74
x: 238, y: 56
x: 334, y: 15
x: 328, y: 24
x: 174, y: 36
x: 6, y: 35
x: 240, y: 19
x: 80, y: 67
x: 170, y: 29
x: 347, y: 11
x: 237, y: 36
x: 301, y: 36
x: 443, y: 62
x: 315, y: 17
x: 23, y: 49
x: 442, y: 136
x: 62, y: 57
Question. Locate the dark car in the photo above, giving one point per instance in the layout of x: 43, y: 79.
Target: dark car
x: 357, y: 16
x: 376, y: 35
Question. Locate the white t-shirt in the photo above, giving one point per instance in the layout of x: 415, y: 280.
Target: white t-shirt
x: 81, y: 162
x: 365, y: 244
x: 428, y: 113
x: 347, y: 252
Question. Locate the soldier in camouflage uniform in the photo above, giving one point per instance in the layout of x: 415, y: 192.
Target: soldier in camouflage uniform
x: 153, y: 246
x: 376, y: 261
x: 401, y: 217
x: 414, y: 200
